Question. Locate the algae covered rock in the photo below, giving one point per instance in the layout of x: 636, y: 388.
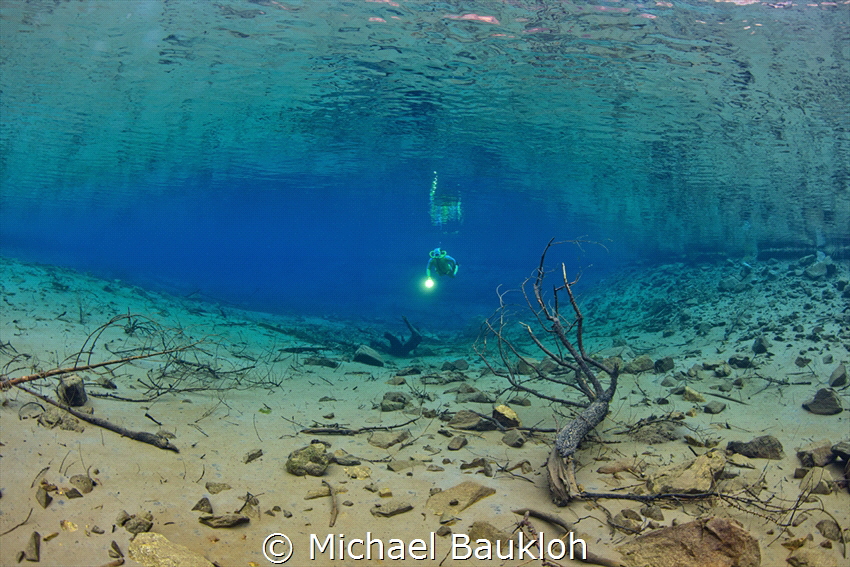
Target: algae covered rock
x: 154, y: 550
x: 312, y: 459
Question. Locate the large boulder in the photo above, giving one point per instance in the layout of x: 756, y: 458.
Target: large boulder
x: 707, y: 542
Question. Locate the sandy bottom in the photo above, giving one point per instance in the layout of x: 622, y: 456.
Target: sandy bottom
x: 243, y: 390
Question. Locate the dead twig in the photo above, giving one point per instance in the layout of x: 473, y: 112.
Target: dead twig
x: 334, y: 508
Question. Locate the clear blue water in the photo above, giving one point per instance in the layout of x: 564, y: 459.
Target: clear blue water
x: 281, y: 155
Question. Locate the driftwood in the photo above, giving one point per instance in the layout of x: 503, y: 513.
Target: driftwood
x: 339, y: 430
x: 143, y: 436
x: 399, y: 348
x: 132, y: 324
x: 566, y: 350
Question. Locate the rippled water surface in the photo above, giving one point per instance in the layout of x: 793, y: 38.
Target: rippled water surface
x: 255, y: 149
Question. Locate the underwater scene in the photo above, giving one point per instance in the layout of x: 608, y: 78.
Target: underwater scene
x: 391, y: 282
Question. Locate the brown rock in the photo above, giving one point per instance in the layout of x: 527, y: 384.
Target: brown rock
x: 825, y: 402
x: 817, y: 481
x: 838, y: 378
x: 71, y: 390
x: 707, y: 542
x: 812, y: 557
x: 216, y: 487
x: 506, y: 416
x: 386, y: 439
x: 154, y: 550
x: 458, y: 442
x: 818, y: 454
x: 697, y: 476
x: 638, y: 365
x: 368, y: 355
x: 465, y: 419
x: 204, y: 506
x: 764, y: 447
x: 458, y: 498
x: 487, y: 531
x: 224, y: 521
x: 513, y: 438
x: 311, y: 460
x: 391, y: 508
x: 663, y: 365
x: 82, y: 482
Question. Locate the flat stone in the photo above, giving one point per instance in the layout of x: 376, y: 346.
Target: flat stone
x: 465, y: 419
x: 386, y: 439
x: 391, y: 508
x: 224, y: 521
x: 639, y: 364
x: 358, y: 472
x: 764, y: 447
x: 526, y: 366
x: 707, y: 542
x: 714, y: 407
x: 458, y: 442
x: 829, y: 529
x: 399, y: 465
x: 138, y: 524
x: 252, y: 456
x: 458, y: 498
x: 812, y: 557
x: 216, y: 487
x: 817, y: 271
x: 692, y: 395
x: 513, y: 438
x: 817, y: 481
x: 694, y: 477
x: 487, y: 531
x: 368, y: 355
x: 345, y: 459
x: 82, y: 483
x: 154, y: 550
x: 825, y: 402
x: 477, y: 397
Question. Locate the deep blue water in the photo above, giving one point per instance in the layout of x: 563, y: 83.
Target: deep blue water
x: 280, y: 156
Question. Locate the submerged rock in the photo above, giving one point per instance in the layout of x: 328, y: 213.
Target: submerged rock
x: 458, y: 498
x: 386, y: 439
x: 311, y: 460
x: 825, y: 402
x: 154, y: 550
x: 224, y: 521
x: 471, y: 421
x: 391, y: 508
x: 764, y: 447
x: 639, y: 364
x: 838, y: 378
x: 705, y: 542
x: 71, y: 391
x: 368, y: 355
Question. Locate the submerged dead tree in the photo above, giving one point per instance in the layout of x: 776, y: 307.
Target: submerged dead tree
x: 563, y: 345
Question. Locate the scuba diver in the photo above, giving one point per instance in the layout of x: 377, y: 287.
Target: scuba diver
x: 442, y: 264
